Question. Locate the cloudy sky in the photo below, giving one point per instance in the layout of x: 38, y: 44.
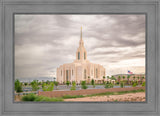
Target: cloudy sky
x: 44, y: 42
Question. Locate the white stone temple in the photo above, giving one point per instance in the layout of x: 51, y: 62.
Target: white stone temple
x: 81, y: 68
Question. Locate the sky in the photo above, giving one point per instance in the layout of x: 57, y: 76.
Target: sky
x: 44, y: 42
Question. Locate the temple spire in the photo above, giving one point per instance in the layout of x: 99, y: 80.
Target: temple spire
x: 81, y: 43
x: 81, y: 32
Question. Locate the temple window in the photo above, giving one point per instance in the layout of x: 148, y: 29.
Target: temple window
x: 84, y: 73
x: 78, y: 55
x: 67, y: 75
x: 96, y: 73
x: 84, y: 55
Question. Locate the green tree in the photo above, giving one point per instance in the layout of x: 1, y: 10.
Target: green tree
x: 134, y: 78
x: 104, y: 79
x: 108, y: 77
x: 119, y: 79
x: 109, y: 85
x: 25, y: 84
x: 34, y: 85
x: 67, y: 83
x: 18, y: 86
x: 88, y: 79
x: 83, y: 85
x: 123, y: 77
x: 128, y: 78
x: 48, y: 87
x: 92, y: 82
x: 73, y: 86
x: 56, y: 84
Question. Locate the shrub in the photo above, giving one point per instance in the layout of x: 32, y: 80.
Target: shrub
x: 56, y: 84
x: 83, y: 85
x: 117, y: 83
x: 29, y: 97
x: 92, y: 82
x: 73, y: 85
x: 67, y: 83
x: 109, y: 85
x: 48, y: 87
x: 33, y: 97
x: 122, y: 84
x: 134, y: 84
x: 143, y: 84
x: 18, y: 86
x: 34, y: 85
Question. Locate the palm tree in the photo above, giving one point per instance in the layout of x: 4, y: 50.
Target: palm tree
x: 103, y: 79
x: 123, y: 77
x: 134, y: 78
x: 88, y: 79
x: 119, y: 78
x: 128, y: 78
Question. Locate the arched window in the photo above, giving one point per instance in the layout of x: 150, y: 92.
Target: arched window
x: 78, y: 55
x: 96, y: 73
x: 84, y: 73
x: 84, y: 55
x: 66, y: 75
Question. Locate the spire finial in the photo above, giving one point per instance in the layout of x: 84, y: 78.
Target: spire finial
x: 81, y: 32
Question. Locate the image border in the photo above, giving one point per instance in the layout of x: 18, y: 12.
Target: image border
x: 4, y: 5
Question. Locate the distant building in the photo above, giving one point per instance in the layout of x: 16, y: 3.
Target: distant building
x: 81, y: 68
x: 131, y: 76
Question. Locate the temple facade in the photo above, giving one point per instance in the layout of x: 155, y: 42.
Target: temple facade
x: 81, y: 68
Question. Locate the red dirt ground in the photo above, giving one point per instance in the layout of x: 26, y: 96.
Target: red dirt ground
x: 85, y: 92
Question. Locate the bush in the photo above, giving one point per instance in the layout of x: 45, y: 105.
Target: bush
x: 29, y: 97
x: 33, y: 97
x: 18, y: 86
x: 109, y: 85
x: 83, y: 85
x: 56, y: 83
x: 122, y: 84
x: 143, y: 84
x: 134, y: 84
x: 92, y: 82
x: 73, y: 85
x: 34, y: 85
x: 67, y: 83
x: 48, y: 87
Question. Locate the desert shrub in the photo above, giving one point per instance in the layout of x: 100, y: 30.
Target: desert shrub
x: 134, y: 84
x: 47, y: 99
x: 109, y: 85
x: 73, y: 86
x: 143, y: 84
x: 29, y: 97
x: 122, y: 84
x: 18, y: 86
x: 67, y: 83
x: 117, y: 83
x: 83, y: 85
x: 33, y: 97
x: 34, y: 85
x: 48, y: 87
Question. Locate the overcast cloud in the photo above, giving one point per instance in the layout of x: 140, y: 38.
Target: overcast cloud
x: 44, y: 42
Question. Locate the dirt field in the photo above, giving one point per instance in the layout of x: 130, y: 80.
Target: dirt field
x: 131, y: 97
x: 85, y: 92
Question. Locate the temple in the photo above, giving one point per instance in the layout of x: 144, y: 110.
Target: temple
x: 81, y: 68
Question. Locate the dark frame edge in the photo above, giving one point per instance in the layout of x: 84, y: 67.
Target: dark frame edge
x: 2, y: 54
